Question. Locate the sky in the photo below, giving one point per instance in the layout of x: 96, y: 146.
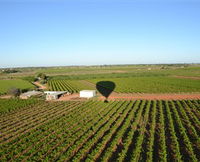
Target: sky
x: 88, y: 32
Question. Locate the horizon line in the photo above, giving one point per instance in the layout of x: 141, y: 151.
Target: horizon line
x: 97, y: 65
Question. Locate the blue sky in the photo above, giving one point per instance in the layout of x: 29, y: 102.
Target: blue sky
x: 86, y: 32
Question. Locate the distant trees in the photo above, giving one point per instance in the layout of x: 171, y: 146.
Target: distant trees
x: 8, y: 71
x: 42, y: 76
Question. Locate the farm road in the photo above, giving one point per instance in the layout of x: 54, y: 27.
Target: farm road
x: 41, y: 86
x: 137, y: 96
x: 187, y: 77
x: 144, y: 96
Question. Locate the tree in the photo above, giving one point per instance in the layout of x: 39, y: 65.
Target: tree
x: 42, y: 76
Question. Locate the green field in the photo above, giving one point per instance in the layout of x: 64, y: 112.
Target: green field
x: 117, y: 70
x: 96, y: 131
x: 131, y: 85
x: 107, y: 71
x: 5, y: 85
x: 152, y: 84
x: 128, y: 78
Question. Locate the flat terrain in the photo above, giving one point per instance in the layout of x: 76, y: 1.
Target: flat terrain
x: 97, y: 131
x: 7, y: 105
x: 131, y: 85
x: 187, y: 77
x: 5, y: 85
x: 146, y: 96
x: 152, y: 84
x: 127, y: 78
x: 72, y: 86
x: 135, y: 96
x: 153, y: 113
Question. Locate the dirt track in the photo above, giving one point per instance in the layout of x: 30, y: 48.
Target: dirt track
x: 71, y: 97
x: 153, y: 96
x: 187, y: 77
x: 137, y: 96
x: 40, y: 86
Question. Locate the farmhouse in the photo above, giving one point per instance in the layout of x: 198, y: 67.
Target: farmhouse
x: 54, y: 95
x: 30, y: 94
x: 87, y: 93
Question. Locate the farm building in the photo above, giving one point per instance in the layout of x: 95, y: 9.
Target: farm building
x: 87, y: 93
x: 54, y: 95
x: 30, y: 94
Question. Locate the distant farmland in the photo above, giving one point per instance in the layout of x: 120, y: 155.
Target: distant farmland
x: 153, y: 84
x: 131, y: 85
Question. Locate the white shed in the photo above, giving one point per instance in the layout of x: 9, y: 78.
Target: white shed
x: 87, y: 93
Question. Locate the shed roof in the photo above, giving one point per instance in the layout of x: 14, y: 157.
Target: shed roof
x: 88, y: 91
x: 31, y: 93
x: 55, y: 93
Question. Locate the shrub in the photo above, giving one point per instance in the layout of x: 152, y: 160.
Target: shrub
x: 14, y: 91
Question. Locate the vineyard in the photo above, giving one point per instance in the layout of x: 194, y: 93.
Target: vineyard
x: 72, y: 86
x: 147, y: 84
x: 138, y: 130
x: 7, y: 105
x: 130, y: 85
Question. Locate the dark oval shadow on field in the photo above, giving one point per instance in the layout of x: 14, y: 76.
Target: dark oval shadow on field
x: 105, y: 88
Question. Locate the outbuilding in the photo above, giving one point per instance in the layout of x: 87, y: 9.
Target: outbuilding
x: 29, y: 94
x: 87, y: 93
x: 54, y: 95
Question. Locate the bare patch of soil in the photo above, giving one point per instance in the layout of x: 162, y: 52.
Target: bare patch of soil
x: 143, y: 96
x: 72, y: 97
x: 6, y: 96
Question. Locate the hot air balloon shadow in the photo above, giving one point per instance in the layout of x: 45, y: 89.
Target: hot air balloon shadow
x: 105, y: 88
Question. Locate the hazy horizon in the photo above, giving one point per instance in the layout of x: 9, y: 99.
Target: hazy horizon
x: 81, y: 32
x: 58, y: 66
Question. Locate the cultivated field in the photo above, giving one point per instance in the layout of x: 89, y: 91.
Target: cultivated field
x: 131, y: 85
x: 152, y: 84
x: 7, y: 105
x: 142, y: 121
x: 128, y: 78
x: 72, y: 86
x: 5, y: 85
x: 95, y: 131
